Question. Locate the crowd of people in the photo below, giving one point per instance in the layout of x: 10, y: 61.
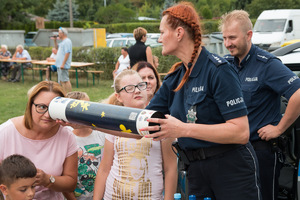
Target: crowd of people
x: 61, y: 55
x: 20, y: 54
x: 222, y: 118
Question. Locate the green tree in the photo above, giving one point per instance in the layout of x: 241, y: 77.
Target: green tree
x: 12, y: 11
x: 88, y: 8
x: 114, y: 13
x: 148, y: 10
x: 40, y: 7
x: 241, y: 4
x: 216, y: 7
x: 60, y: 12
x: 206, y: 12
x: 168, y: 3
x: 257, y: 6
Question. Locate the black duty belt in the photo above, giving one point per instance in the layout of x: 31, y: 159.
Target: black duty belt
x: 204, y: 153
x: 274, y: 145
x: 261, y: 145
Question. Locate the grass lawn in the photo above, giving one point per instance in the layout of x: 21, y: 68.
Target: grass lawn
x: 13, y: 96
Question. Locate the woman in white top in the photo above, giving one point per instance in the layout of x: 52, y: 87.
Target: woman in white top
x: 123, y: 62
x: 134, y: 168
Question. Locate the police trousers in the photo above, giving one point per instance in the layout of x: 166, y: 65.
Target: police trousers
x: 269, y: 168
x: 230, y: 175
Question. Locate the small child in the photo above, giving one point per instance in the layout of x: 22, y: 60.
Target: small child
x: 17, y: 178
x: 91, y: 144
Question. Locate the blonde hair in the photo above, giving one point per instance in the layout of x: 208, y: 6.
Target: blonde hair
x: 138, y: 33
x: 77, y: 95
x: 236, y: 15
x: 49, y: 86
x: 112, y: 99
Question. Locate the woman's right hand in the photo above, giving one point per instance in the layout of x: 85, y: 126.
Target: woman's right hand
x: 170, y: 127
x: 42, y: 179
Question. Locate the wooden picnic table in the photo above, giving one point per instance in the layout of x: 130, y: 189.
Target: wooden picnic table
x: 76, y: 65
x: 17, y: 61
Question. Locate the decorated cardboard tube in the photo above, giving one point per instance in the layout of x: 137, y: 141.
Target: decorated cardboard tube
x: 112, y: 117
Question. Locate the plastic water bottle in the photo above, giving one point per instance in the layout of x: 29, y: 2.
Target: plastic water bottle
x: 177, y: 196
x: 207, y: 198
x: 192, y: 197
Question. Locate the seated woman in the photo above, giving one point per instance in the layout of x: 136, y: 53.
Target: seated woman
x: 122, y: 63
x: 51, y: 147
x: 131, y: 168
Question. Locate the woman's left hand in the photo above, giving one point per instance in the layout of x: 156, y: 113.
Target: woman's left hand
x: 168, y: 128
x: 42, y: 179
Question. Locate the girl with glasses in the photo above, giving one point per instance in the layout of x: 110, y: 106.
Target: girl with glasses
x: 133, y: 168
x: 51, y: 147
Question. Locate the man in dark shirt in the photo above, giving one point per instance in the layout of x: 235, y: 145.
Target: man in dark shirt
x: 264, y: 79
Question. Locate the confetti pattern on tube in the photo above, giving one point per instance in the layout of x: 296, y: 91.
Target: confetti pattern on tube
x: 112, y: 117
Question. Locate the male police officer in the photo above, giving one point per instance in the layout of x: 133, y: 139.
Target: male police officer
x: 264, y: 80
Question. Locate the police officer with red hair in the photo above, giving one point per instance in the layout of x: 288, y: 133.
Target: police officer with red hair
x: 204, y: 106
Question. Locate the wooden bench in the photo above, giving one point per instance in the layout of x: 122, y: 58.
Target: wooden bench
x: 162, y: 74
x: 95, y: 73
x: 40, y: 71
x: 36, y: 69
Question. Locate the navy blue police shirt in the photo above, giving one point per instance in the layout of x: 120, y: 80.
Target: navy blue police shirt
x: 264, y: 80
x: 213, y: 90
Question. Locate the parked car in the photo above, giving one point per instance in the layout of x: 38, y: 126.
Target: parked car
x: 120, y: 42
x: 154, y: 36
x: 289, y: 55
x: 289, y: 180
x: 118, y: 35
x: 128, y: 41
x: 290, y: 42
x: 274, y: 27
x: 28, y: 41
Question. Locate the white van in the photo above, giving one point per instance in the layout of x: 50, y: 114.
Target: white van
x: 274, y: 27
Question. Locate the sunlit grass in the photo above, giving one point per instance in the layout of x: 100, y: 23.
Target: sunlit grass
x: 13, y: 97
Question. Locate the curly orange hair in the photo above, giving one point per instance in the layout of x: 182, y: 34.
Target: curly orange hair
x: 184, y: 15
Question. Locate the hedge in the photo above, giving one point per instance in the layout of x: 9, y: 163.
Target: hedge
x: 104, y: 58
x: 209, y: 26
x: 152, y: 27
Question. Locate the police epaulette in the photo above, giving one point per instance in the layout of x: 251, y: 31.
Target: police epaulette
x: 229, y: 57
x: 263, y: 58
x: 217, y: 60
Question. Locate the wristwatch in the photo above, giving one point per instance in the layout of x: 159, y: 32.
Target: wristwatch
x: 52, y: 181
